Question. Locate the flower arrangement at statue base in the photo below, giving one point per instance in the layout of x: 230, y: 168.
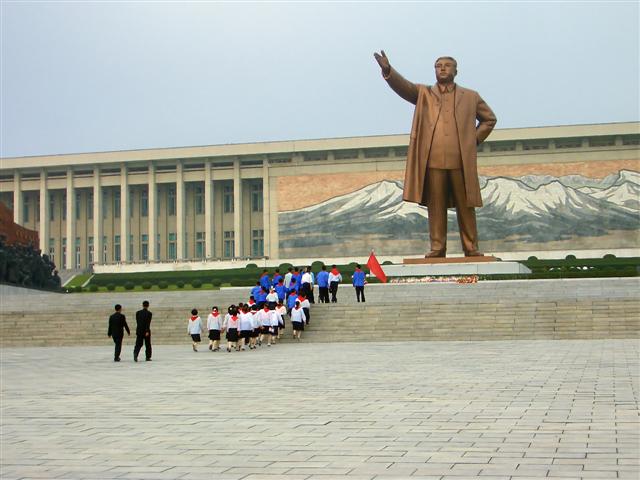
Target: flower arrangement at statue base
x: 438, y: 279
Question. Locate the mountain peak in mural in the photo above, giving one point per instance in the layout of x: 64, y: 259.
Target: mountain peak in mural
x: 528, y: 209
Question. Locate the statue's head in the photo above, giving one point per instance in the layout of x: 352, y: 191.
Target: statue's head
x: 446, y: 69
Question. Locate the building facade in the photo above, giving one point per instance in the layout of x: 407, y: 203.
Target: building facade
x: 543, y: 187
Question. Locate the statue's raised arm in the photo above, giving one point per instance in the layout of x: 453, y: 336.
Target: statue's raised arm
x: 403, y: 87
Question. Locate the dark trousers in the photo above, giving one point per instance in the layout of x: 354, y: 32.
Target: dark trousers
x: 333, y: 288
x: 360, y: 293
x: 306, y: 289
x: 140, y: 339
x: 324, y: 294
x: 312, y: 298
x: 118, y: 347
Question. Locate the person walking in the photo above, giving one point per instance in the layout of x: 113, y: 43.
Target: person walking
x: 214, y: 325
x: 358, y: 280
x: 323, y: 285
x: 334, y: 280
x: 298, y: 320
x: 143, y: 332
x: 117, y: 326
x: 194, y: 328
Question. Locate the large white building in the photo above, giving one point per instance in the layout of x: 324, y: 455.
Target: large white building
x: 228, y: 201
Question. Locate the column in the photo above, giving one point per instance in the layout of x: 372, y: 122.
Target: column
x: 266, y: 208
x: 124, y: 214
x: 151, y: 195
x: 97, y: 216
x: 71, y: 222
x: 180, y: 220
x: 237, y: 209
x: 17, y: 198
x: 208, y: 211
x: 44, y: 213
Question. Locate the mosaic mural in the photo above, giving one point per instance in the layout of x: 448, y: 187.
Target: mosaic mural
x: 520, y: 213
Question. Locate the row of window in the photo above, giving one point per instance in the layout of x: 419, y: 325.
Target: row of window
x: 227, y: 204
x: 257, y: 247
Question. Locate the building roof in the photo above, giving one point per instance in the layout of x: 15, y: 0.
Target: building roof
x: 301, y: 146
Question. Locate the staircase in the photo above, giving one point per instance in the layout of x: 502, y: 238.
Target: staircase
x: 505, y: 310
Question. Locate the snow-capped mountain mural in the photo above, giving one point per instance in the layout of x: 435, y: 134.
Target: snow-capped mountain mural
x: 519, y: 213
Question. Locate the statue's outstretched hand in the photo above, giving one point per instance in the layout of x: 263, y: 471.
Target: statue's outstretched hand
x: 383, y: 61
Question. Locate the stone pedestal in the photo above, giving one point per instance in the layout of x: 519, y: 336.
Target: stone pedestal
x: 422, y: 267
x: 448, y: 260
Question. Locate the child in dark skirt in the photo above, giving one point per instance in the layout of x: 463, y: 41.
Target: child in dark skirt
x: 231, y: 326
x: 214, y: 325
x: 245, y: 322
x: 255, y: 318
x: 194, y: 328
x: 298, y: 319
x: 282, y: 310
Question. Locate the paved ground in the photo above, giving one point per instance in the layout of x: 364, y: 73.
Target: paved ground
x: 446, y: 410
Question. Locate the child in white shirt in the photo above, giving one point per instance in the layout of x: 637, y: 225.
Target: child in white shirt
x: 194, y: 328
x: 214, y: 325
x: 298, y: 319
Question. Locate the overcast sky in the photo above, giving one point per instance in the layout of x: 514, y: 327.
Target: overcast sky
x: 83, y: 77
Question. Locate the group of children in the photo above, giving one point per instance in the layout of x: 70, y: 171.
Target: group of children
x: 262, y: 319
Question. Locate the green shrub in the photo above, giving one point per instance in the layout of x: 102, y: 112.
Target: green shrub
x: 180, y: 284
x: 284, y: 267
x: 93, y: 288
x: 162, y: 284
x: 129, y: 286
x: 196, y: 283
x: 111, y: 287
x: 570, y: 257
x: 216, y: 282
x: 387, y: 262
x: 609, y: 256
x: 78, y: 289
x: 532, y: 258
x: 146, y: 285
x: 251, y: 266
x: 316, y: 266
x: 239, y: 282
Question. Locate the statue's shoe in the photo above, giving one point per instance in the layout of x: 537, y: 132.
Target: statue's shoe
x: 436, y: 254
x: 474, y: 253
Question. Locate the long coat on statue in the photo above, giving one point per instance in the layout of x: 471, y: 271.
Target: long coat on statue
x: 469, y: 107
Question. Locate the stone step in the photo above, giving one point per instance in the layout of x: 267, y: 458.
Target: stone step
x: 498, y: 310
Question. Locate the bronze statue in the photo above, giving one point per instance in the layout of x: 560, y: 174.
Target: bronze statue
x: 441, y: 169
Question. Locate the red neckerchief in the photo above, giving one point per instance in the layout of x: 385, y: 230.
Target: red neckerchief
x: 335, y: 272
x: 234, y: 317
x: 193, y: 318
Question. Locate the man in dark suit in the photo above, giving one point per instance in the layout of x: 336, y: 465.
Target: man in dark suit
x: 117, y: 326
x: 143, y: 332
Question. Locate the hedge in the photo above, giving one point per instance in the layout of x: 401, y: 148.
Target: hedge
x: 245, y: 277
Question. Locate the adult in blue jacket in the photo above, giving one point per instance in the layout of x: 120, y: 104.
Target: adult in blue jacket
x: 323, y: 284
x: 265, y: 281
x: 358, y: 282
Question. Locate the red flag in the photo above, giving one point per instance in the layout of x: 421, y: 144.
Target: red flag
x: 375, y: 268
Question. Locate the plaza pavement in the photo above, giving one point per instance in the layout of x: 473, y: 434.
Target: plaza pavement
x: 406, y: 410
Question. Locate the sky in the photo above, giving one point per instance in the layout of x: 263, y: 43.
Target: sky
x: 100, y: 76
